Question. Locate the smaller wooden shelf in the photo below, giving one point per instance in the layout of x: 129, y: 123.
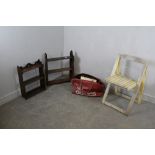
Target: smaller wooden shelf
x: 21, y: 70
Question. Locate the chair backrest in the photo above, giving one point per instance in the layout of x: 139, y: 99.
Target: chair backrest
x: 133, y: 58
x: 117, y: 65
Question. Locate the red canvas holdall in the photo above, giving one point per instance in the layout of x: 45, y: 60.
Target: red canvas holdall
x: 91, y: 87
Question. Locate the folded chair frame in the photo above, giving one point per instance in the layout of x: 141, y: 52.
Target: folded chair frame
x: 137, y: 87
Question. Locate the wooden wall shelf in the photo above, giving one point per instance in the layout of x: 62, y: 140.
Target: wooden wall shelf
x: 29, y: 67
x: 49, y: 71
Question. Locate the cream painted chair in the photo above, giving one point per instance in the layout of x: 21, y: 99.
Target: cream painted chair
x: 121, y: 82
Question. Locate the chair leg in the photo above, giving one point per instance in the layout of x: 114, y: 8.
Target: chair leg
x: 106, y: 93
x: 133, y: 98
x: 126, y: 112
x: 140, y: 94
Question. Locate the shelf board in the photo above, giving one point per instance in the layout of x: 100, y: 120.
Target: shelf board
x: 58, y: 58
x: 58, y: 81
x: 33, y: 92
x: 30, y: 68
x: 58, y: 70
x: 36, y: 78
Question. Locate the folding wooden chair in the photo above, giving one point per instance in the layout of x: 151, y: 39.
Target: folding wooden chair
x: 122, y: 82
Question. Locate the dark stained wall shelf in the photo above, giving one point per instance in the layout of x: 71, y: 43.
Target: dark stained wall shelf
x: 29, y: 67
x: 70, y: 69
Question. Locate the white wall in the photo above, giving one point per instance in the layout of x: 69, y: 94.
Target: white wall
x: 20, y: 45
x: 97, y: 47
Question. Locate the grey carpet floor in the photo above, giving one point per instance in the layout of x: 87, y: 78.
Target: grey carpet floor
x: 58, y: 108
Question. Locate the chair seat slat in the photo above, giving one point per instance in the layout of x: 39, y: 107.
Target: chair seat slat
x: 122, y: 82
